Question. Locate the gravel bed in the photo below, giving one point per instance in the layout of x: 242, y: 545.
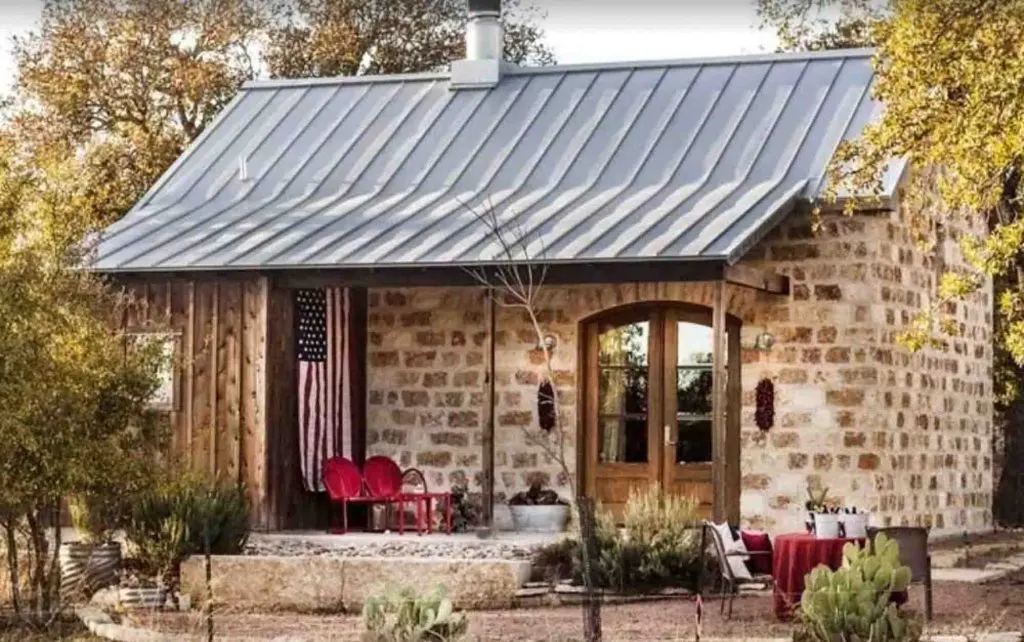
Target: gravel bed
x: 412, y: 548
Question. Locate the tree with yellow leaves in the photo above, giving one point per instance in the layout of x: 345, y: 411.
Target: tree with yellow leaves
x: 74, y: 416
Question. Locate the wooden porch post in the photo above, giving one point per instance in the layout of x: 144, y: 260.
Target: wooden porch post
x: 487, y: 457
x: 718, y: 406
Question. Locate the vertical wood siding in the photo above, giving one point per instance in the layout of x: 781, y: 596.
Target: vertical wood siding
x: 235, y: 414
x: 219, y: 423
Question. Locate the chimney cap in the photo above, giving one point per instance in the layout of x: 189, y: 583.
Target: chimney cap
x: 484, y: 6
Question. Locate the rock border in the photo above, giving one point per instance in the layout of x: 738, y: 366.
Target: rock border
x: 103, y: 626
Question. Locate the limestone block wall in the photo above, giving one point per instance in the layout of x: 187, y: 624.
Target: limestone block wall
x: 426, y: 367
x: 907, y: 436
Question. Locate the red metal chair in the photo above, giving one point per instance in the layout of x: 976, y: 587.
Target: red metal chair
x: 385, y: 479
x: 345, y: 485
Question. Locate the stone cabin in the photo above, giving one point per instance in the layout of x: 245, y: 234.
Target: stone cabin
x: 670, y: 203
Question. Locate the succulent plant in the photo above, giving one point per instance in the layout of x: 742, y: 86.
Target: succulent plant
x: 852, y: 604
x: 406, y: 616
x: 816, y: 501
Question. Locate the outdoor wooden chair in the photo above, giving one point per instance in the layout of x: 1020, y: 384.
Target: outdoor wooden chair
x: 913, y: 541
x: 711, y: 542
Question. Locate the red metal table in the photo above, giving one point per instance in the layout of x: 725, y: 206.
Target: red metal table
x: 795, y: 555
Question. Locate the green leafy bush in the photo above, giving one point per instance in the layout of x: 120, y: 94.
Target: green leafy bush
x: 657, y: 547
x: 98, y: 516
x: 405, y: 616
x: 176, y: 518
x: 853, y: 603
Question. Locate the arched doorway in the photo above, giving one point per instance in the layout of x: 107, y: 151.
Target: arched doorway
x: 647, y: 412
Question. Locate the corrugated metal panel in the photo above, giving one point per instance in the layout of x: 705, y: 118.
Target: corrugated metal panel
x: 689, y: 159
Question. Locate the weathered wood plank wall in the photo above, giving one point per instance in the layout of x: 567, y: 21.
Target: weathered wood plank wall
x: 218, y: 421
x: 235, y: 409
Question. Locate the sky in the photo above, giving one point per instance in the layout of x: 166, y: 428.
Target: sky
x: 578, y: 31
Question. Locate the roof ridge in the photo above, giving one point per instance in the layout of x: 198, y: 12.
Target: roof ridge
x: 512, y: 70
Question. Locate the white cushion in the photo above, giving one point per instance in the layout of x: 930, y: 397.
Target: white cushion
x: 737, y: 563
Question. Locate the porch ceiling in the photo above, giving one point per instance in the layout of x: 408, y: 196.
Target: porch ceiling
x: 663, y: 162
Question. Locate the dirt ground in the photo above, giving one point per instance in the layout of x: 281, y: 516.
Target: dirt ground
x: 998, y: 606
x: 1002, y: 536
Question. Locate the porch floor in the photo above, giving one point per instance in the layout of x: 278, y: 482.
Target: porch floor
x: 500, y: 545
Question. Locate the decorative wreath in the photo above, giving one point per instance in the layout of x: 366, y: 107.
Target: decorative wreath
x: 764, y: 416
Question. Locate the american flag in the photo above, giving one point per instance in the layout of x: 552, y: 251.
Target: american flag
x: 325, y: 404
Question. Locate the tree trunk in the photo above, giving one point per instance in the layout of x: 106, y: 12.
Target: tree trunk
x: 588, y: 555
x: 12, y: 566
x: 1007, y: 508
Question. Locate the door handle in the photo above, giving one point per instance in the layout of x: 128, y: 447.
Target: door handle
x: 668, y: 436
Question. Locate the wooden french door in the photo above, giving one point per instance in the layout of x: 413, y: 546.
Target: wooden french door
x: 647, y: 411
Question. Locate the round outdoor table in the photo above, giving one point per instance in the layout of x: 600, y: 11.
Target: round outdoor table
x: 795, y: 555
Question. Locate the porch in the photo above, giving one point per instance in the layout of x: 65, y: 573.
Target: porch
x: 452, y: 381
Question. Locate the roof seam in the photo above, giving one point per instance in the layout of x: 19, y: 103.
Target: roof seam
x: 573, y: 68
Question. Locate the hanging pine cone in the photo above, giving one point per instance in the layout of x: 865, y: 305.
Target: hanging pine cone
x: 764, y: 416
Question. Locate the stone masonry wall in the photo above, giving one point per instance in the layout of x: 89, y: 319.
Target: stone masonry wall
x: 426, y: 366
x: 905, y: 436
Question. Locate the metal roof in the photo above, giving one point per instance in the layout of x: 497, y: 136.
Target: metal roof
x: 692, y: 159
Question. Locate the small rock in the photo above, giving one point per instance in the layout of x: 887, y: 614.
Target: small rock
x: 532, y: 592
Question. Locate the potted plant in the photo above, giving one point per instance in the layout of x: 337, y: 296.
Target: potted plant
x: 538, y: 510
x: 94, y: 560
x: 159, y: 531
x: 824, y: 518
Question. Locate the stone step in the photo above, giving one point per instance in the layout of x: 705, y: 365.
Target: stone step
x: 341, y: 584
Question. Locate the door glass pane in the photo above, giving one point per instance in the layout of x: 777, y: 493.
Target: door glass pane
x: 693, y: 393
x: 623, y: 392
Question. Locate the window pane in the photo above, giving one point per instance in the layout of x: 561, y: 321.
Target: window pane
x: 622, y: 391
x: 623, y: 439
x: 694, y: 344
x: 693, y: 393
x: 694, y: 444
x: 624, y: 345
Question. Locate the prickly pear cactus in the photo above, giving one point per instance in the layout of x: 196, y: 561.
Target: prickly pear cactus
x: 406, y: 616
x: 852, y: 604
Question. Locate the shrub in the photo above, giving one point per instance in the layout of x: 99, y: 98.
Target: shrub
x: 465, y: 512
x: 554, y: 561
x: 97, y: 516
x: 658, y: 546
x: 175, y: 518
x: 537, y: 495
x: 854, y: 602
x: 405, y: 616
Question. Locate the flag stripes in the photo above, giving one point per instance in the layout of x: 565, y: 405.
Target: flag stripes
x: 325, y: 415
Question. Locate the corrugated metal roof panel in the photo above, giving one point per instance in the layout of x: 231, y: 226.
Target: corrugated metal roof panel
x: 678, y: 160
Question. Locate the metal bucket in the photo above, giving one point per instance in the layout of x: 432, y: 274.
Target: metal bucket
x: 86, y: 568
x: 150, y: 597
x: 380, y: 517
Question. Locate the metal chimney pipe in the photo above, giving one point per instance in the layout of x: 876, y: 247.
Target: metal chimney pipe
x: 484, y: 38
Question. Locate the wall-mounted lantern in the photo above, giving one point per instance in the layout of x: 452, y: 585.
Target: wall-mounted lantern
x: 764, y: 341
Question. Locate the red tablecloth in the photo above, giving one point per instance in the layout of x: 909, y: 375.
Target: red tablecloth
x: 795, y: 555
